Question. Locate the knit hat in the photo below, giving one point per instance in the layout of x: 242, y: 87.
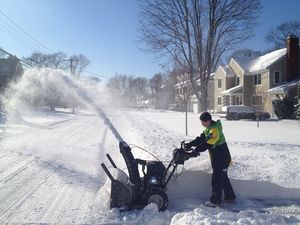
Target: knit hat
x: 205, y: 116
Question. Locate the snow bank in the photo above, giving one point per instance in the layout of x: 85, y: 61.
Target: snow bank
x: 204, y: 216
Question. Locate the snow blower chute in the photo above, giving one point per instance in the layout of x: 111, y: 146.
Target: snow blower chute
x: 135, y: 192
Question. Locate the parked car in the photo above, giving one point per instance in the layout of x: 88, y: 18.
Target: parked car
x: 237, y: 112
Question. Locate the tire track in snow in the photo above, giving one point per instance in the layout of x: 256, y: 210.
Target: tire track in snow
x: 11, y: 161
x: 54, y: 205
x: 15, y: 168
x: 15, y: 200
x: 80, y: 207
x: 3, y: 159
x: 273, y: 146
x: 69, y: 207
x: 69, y: 131
x: 33, y: 210
x: 79, y: 129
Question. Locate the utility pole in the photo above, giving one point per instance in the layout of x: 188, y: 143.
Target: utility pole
x: 186, y: 110
x: 71, y: 60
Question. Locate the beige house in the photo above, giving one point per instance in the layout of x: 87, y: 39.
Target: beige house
x: 256, y: 81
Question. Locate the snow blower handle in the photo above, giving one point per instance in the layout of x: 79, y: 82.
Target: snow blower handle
x: 182, y: 145
x: 189, y: 152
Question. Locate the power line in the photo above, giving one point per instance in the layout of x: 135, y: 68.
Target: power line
x: 19, y: 39
x: 96, y: 74
x: 27, y: 63
x: 29, y: 37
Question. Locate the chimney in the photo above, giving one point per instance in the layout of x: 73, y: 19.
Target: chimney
x: 292, y: 53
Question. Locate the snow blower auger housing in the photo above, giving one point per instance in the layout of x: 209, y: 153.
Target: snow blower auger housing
x: 135, y: 192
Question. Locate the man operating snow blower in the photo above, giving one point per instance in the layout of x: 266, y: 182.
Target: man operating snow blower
x: 213, y: 140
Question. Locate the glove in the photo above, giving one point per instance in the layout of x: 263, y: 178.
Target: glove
x: 195, y: 153
x: 191, y: 154
x: 187, y: 146
x: 187, y: 156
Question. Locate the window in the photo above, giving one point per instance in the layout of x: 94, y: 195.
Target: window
x: 219, y: 83
x: 238, y: 100
x: 276, y: 77
x: 237, y: 81
x: 257, y: 79
x: 256, y: 100
x: 219, y: 100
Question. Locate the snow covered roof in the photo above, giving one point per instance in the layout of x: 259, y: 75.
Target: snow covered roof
x: 232, y: 90
x: 282, y: 89
x: 252, y: 65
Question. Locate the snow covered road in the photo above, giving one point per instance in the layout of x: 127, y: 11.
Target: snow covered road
x: 50, y: 174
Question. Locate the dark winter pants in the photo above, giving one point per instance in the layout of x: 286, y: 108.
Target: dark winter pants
x: 220, y: 182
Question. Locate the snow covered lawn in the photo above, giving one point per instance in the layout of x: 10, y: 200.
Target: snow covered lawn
x: 50, y: 169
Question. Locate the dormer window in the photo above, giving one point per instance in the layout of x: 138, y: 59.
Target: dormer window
x: 257, y: 79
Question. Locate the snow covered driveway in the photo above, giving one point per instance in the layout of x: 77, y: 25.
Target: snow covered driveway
x: 50, y: 172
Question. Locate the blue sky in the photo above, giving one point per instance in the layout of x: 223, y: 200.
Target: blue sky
x: 105, y: 31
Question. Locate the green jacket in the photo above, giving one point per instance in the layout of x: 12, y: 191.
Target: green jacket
x: 213, y: 140
x: 214, y: 134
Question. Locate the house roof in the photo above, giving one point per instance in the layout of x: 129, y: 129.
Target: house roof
x: 282, y: 89
x: 228, y: 71
x: 232, y: 90
x: 252, y: 65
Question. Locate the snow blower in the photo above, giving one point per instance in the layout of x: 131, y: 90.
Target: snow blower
x: 135, y: 192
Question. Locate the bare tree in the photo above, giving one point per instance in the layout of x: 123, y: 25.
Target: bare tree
x: 279, y: 35
x: 128, y: 89
x: 57, y: 60
x: 78, y: 64
x: 119, y: 83
x: 195, y: 33
x: 54, y: 61
x: 156, y: 82
x: 246, y: 52
x: 139, y: 86
x: 36, y: 59
x: 183, y: 86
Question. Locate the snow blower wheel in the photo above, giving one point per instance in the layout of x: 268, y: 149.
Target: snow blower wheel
x: 160, y: 199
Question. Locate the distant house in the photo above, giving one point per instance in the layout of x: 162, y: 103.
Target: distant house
x: 184, y: 90
x: 256, y: 81
x: 10, y: 70
x: 252, y: 81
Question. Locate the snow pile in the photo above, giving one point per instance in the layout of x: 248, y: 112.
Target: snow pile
x: 204, y: 216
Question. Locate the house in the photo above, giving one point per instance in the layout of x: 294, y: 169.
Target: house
x: 184, y: 90
x: 10, y: 70
x: 256, y: 81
